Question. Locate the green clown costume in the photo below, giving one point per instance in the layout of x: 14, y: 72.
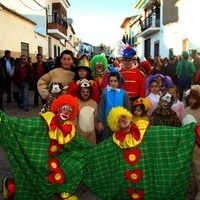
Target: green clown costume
x: 147, y: 163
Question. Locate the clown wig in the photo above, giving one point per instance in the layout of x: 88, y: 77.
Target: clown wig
x: 65, y: 100
x: 101, y: 59
x: 114, y: 116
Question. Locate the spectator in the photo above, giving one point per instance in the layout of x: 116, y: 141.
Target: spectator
x: 2, y: 85
x: 185, y: 71
x: 23, y: 75
x: 7, y: 62
x: 40, y: 68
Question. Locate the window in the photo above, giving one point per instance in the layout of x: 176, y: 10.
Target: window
x: 25, y: 49
x: 40, y: 50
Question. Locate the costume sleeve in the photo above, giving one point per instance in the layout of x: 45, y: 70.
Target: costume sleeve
x: 178, y: 68
x: 182, y: 112
x: 197, y: 77
x: 126, y: 102
x: 42, y: 85
x: 142, y: 86
x: 96, y: 92
x: 72, y: 89
x: 101, y: 108
x: 192, y: 68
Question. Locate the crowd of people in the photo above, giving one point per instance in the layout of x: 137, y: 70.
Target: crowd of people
x: 160, y: 91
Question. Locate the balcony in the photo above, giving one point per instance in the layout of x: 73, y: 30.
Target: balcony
x: 149, y: 25
x: 57, y: 27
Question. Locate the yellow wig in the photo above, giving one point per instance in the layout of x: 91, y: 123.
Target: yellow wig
x: 114, y: 116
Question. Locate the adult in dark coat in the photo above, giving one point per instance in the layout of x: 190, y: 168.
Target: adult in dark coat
x: 2, y: 85
x: 40, y: 68
x: 7, y: 63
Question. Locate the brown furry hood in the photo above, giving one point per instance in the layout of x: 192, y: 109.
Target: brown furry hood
x: 195, y: 93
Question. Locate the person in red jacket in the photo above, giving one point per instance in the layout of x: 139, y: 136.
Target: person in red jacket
x: 134, y: 78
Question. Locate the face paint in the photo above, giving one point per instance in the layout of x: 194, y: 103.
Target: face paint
x: 64, y: 112
x: 124, y: 122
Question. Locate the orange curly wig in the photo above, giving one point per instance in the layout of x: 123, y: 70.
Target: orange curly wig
x: 65, y: 100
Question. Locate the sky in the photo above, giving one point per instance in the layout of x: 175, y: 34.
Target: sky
x: 94, y: 21
x: 97, y: 22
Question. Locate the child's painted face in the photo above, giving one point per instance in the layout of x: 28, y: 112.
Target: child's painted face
x: 99, y: 66
x: 64, y: 112
x: 66, y: 61
x: 154, y: 88
x: 137, y: 111
x: 82, y: 73
x: 113, y: 82
x: 124, y: 122
x: 85, y: 94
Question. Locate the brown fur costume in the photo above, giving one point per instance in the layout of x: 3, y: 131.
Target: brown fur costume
x: 165, y: 116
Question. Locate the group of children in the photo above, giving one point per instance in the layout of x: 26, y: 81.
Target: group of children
x: 95, y: 103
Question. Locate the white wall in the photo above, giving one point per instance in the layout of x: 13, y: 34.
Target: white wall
x: 13, y: 31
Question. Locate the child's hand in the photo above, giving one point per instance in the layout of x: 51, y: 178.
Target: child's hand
x: 100, y: 127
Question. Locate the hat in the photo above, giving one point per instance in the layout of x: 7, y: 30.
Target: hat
x: 144, y: 101
x: 194, y: 92
x: 128, y: 53
x: 83, y: 64
x: 145, y: 66
x: 168, y: 98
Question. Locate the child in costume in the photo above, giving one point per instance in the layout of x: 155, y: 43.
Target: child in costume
x: 134, y: 80
x: 87, y: 116
x: 41, y: 151
x: 140, y: 109
x: 165, y: 82
x: 153, y: 96
x: 163, y: 115
x: 112, y: 96
x: 194, y: 110
x: 83, y: 71
x: 99, y: 66
x: 177, y: 106
x: 63, y: 74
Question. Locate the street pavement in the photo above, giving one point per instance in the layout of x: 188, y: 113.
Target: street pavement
x: 12, y: 109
